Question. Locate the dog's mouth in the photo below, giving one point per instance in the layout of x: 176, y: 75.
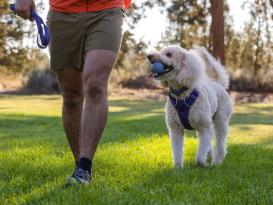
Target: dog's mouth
x: 159, y: 69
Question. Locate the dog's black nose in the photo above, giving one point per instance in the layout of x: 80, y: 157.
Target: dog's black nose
x: 150, y: 57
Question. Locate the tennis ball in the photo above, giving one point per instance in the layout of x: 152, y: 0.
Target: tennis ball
x: 157, y: 67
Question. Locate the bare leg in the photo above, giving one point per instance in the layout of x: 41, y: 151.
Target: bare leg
x: 177, y: 140
x: 70, y: 82
x: 97, y: 68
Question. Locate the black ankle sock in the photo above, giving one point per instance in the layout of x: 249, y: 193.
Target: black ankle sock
x: 85, y: 164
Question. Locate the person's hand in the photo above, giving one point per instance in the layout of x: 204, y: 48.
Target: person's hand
x: 24, y: 8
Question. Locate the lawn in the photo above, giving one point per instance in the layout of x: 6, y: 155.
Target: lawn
x: 133, y: 162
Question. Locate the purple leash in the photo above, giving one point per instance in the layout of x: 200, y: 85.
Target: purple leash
x: 43, y: 37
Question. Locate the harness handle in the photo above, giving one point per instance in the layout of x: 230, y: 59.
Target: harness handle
x: 43, y: 37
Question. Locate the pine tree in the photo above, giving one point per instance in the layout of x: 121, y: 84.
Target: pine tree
x: 217, y: 29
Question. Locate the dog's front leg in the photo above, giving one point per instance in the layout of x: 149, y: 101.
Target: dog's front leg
x: 177, y: 141
x: 205, y: 136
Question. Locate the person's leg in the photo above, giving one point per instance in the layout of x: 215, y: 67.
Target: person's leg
x: 97, y: 68
x: 101, y: 47
x: 70, y: 82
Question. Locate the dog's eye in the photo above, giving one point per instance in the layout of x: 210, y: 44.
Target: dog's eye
x: 169, y: 55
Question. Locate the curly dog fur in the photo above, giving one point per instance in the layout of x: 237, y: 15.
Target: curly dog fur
x: 210, y: 113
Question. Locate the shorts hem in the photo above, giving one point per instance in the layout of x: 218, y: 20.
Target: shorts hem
x: 101, y: 48
x: 61, y: 69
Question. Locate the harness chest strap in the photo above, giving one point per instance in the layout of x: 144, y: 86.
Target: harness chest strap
x: 183, y: 107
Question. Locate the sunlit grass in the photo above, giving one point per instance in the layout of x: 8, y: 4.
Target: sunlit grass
x: 133, y: 162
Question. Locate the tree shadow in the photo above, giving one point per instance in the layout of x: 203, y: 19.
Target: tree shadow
x: 262, y: 115
x: 251, y: 118
x: 134, y: 121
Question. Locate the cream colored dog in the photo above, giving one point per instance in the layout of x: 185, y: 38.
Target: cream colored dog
x: 212, y: 109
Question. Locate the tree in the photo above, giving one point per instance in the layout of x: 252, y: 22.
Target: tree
x: 256, y: 38
x: 12, y: 55
x: 217, y: 29
x: 129, y: 44
x: 188, y: 23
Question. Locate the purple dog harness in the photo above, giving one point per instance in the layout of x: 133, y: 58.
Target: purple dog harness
x: 183, y: 106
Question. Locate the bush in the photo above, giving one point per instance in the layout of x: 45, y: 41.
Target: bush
x: 244, y: 81
x: 40, y: 82
x: 139, y: 82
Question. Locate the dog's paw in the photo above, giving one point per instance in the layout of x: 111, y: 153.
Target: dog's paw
x: 201, y: 164
x: 216, y: 162
x: 178, y: 166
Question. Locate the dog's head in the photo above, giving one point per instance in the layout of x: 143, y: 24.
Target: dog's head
x: 181, y: 67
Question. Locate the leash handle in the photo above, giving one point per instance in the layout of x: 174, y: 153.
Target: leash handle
x: 43, y: 37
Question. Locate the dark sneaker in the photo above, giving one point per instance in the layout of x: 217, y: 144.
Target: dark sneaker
x: 79, y: 176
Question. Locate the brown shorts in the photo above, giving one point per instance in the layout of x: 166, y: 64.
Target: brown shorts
x: 73, y: 35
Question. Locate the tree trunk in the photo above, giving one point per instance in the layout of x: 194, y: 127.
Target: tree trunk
x: 217, y: 29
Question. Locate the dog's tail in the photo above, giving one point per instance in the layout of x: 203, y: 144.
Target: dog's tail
x: 214, y: 68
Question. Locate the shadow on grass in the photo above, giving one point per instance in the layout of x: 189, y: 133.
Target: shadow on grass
x: 140, y: 118
x: 251, y: 118
x: 258, y: 115
x: 119, y: 127
x: 19, y: 127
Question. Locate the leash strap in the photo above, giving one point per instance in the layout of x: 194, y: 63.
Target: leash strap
x: 43, y: 37
x: 183, y: 107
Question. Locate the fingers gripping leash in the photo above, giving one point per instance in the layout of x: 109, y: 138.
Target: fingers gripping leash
x: 43, y: 37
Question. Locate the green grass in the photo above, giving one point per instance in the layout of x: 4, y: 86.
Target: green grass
x: 133, y: 162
